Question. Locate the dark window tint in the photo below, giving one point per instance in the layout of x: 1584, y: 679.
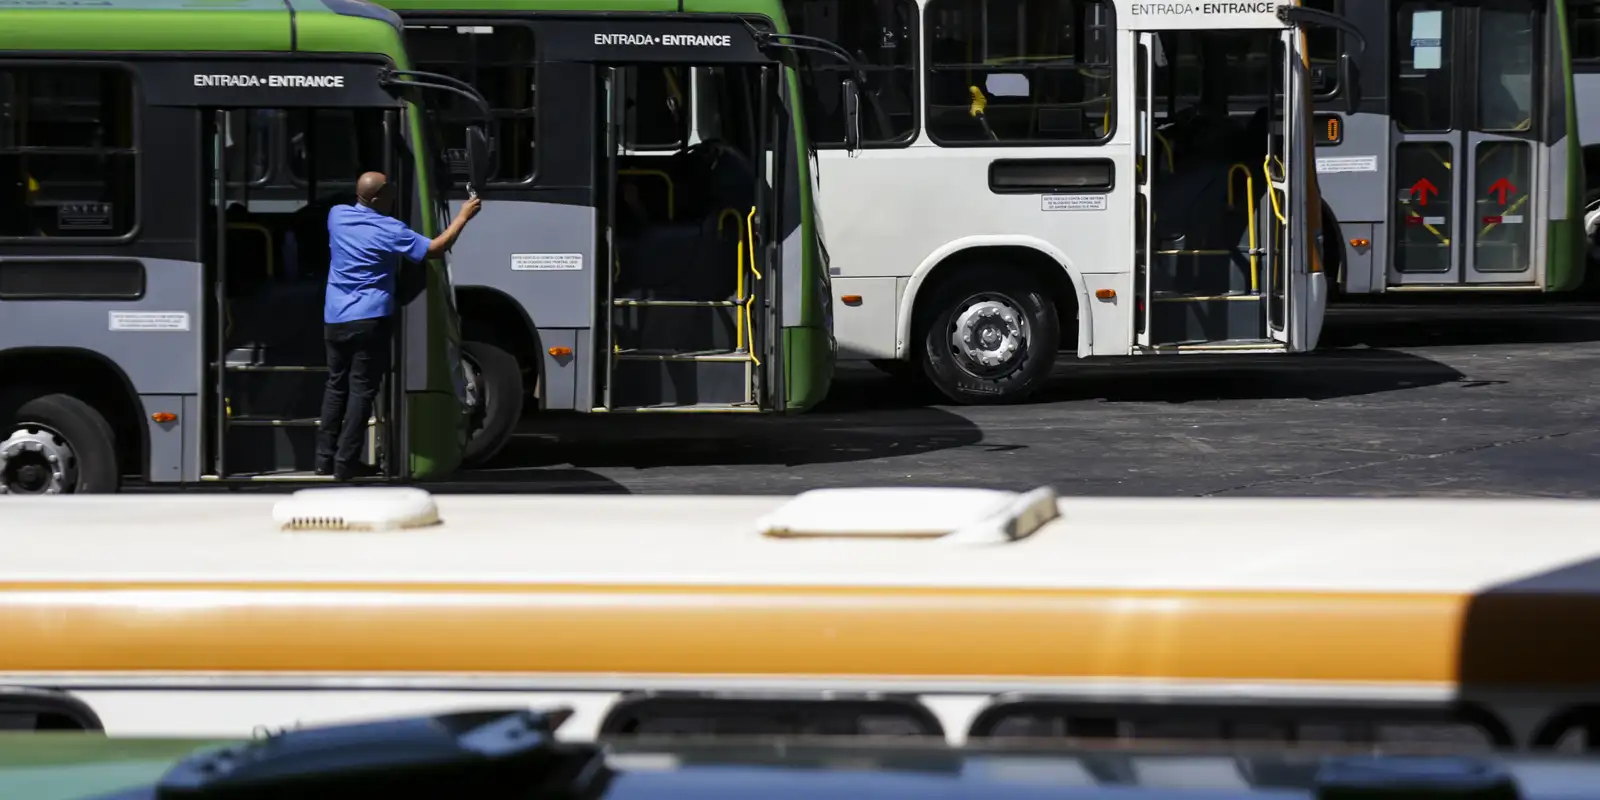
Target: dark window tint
x: 500, y: 62
x: 341, y: 143
x: 1423, y: 66
x: 695, y: 716
x: 67, y: 151
x: 1322, y: 49
x: 1583, y: 19
x: 1017, y: 71
x: 655, y: 107
x: 1264, y: 724
x: 881, y: 35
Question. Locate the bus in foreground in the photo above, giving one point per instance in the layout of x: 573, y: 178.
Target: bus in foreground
x: 1039, y: 175
x: 1461, y: 168
x: 638, y: 253
x: 151, y: 321
x: 961, y: 615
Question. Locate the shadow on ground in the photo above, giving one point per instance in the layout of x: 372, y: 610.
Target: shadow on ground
x: 1323, y: 375
x: 649, y: 441
x: 1460, y: 325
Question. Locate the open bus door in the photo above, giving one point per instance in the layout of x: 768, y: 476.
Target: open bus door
x: 1299, y: 299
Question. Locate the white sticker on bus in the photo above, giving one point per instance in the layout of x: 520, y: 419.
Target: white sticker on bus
x: 530, y: 262
x: 149, y: 320
x: 1072, y: 202
x: 1433, y: 220
x: 1327, y: 166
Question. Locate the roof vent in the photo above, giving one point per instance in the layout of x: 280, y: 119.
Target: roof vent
x: 954, y: 516
x: 356, y: 509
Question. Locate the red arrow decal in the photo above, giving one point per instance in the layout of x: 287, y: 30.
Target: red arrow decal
x: 1500, y: 187
x: 1420, y: 190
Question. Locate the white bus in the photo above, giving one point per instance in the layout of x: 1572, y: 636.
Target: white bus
x: 1002, y: 208
x: 961, y: 615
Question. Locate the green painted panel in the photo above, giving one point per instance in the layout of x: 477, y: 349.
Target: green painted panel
x: 144, y: 5
x: 530, y: 5
x: 145, y: 30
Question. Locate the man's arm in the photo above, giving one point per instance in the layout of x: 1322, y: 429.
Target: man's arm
x: 446, y: 240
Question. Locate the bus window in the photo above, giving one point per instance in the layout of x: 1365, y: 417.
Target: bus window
x: 67, y: 151
x: 1423, y: 82
x: 499, y: 61
x: 881, y: 35
x: 1585, y: 21
x: 1035, y: 720
x: 1322, y: 46
x: 656, y: 100
x: 346, y: 142
x: 714, y: 716
x: 1014, y: 71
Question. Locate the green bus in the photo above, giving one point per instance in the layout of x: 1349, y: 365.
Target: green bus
x: 1452, y: 155
x: 154, y: 319
x: 651, y: 241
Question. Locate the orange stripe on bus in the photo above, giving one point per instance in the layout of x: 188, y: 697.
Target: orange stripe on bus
x: 788, y: 631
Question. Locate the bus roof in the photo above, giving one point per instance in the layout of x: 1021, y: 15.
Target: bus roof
x: 190, y: 26
x: 1458, y: 546
x: 1362, y: 593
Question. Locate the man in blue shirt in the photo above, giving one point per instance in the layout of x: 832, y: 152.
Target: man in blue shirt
x: 365, y: 245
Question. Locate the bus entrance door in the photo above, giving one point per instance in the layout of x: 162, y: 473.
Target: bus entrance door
x: 266, y: 252
x: 1466, y: 136
x: 1298, y: 298
x: 689, y: 309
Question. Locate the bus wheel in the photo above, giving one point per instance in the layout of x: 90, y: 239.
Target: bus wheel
x: 991, y: 336
x: 494, y: 382
x: 58, y: 445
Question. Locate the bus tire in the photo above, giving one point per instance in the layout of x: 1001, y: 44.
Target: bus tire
x: 496, y: 383
x: 58, y: 444
x: 1003, y: 313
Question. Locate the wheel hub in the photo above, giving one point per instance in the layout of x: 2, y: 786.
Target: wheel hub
x: 989, y: 333
x: 37, y: 460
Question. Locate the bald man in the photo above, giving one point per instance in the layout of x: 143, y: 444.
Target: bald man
x: 366, y: 245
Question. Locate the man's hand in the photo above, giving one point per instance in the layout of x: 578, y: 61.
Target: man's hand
x: 469, y: 209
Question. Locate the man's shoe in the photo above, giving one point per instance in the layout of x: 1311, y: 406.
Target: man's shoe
x: 323, y: 468
x: 345, y: 472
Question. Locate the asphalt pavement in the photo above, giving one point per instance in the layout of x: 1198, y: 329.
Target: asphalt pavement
x: 1477, y: 401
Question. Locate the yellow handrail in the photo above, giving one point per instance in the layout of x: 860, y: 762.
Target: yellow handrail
x: 1266, y: 167
x: 672, y: 201
x: 745, y: 321
x: 1166, y: 146
x: 1250, y: 208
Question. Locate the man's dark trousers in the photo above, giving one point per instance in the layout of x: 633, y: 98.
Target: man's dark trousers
x: 358, y: 359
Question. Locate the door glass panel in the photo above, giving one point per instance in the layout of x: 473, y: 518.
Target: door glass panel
x: 1423, y: 189
x: 1502, y: 201
x: 1423, y: 68
x: 1505, y: 70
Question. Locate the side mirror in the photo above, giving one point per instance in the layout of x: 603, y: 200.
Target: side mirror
x: 852, y: 116
x: 480, y: 159
x: 1349, y: 82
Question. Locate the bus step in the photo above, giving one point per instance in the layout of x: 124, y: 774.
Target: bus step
x: 703, y: 355
x: 284, y: 477
x: 625, y: 303
x: 273, y: 368
x: 1181, y: 297
x: 272, y: 422
x: 694, y: 408
x: 1228, y: 346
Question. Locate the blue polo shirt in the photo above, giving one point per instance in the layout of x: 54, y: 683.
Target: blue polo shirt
x: 365, y: 249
